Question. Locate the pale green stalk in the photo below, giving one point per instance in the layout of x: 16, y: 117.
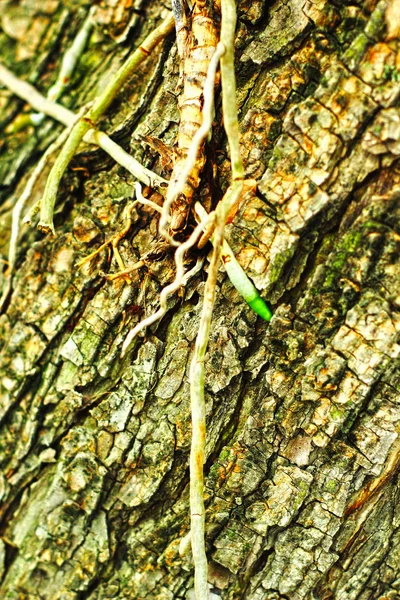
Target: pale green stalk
x: 228, y: 83
x: 198, y: 409
x: 53, y: 181
x: 228, y: 9
x: 237, y: 275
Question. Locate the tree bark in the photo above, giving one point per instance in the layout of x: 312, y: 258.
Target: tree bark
x: 303, y: 413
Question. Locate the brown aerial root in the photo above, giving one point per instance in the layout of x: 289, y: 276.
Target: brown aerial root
x: 197, y: 50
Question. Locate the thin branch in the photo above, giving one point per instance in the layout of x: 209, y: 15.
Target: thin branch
x: 127, y: 214
x: 128, y: 218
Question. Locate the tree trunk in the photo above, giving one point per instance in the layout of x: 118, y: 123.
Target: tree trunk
x: 303, y: 412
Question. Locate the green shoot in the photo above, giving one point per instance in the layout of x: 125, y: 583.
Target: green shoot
x: 238, y: 277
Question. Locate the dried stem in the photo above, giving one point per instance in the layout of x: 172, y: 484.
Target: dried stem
x: 201, y: 134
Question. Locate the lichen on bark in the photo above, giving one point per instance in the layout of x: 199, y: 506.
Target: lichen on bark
x: 302, y: 413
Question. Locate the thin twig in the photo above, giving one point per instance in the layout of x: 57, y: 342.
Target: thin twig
x: 89, y: 257
x: 127, y: 214
x: 140, y: 199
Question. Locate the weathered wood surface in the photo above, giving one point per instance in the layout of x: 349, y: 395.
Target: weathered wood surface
x: 303, y: 413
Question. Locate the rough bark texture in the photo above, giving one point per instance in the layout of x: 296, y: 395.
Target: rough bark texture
x: 303, y: 413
